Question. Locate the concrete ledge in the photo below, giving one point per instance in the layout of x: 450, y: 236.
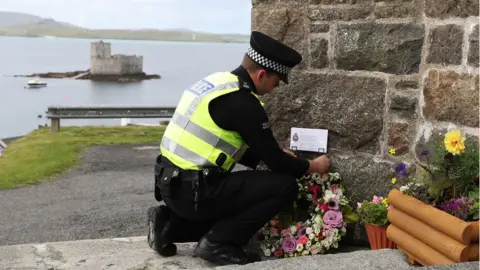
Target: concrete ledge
x: 134, y: 253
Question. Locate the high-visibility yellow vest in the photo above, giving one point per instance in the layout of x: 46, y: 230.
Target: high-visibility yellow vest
x: 192, y: 140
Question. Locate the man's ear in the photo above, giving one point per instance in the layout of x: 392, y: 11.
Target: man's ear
x: 261, y: 74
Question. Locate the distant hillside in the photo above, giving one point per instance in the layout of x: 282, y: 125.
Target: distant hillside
x: 26, y: 25
x: 14, y: 18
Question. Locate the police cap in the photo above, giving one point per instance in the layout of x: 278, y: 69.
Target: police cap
x: 273, y: 54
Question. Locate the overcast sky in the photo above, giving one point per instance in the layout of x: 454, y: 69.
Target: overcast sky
x: 220, y: 16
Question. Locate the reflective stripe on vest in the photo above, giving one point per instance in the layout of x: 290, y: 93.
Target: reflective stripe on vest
x: 192, y: 140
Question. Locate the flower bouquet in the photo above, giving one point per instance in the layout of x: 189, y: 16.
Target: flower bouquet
x: 327, y: 215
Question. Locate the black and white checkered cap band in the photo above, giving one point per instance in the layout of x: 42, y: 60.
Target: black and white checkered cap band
x: 262, y: 60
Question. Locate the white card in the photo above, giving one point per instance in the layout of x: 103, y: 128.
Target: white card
x: 307, y: 139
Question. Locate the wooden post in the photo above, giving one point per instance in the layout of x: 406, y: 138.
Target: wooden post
x: 424, y: 254
x: 452, y: 226
x: 55, y: 126
x: 441, y: 242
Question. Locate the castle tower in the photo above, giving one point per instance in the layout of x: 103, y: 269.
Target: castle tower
x: 100, y: 50
x: 99, y: 53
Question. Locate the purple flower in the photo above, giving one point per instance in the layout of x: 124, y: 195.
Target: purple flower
x: 301, y: 232
x: 401, y: 169
x: 425, y: 152
x: 289, y: 244
x: 333, y: 218
x: 456, y: 206
x: 333, y: 204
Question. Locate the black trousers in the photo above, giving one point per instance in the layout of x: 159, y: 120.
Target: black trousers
x: 231, y: 208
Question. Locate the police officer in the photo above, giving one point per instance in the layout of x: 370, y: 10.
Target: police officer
x: 220, y: 122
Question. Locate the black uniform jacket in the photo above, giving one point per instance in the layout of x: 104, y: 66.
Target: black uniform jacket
x: 241, y: 111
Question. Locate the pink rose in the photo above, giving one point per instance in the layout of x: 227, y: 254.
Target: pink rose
x: 328, y: 233
x: 333, y: 218
x: 289, y: 244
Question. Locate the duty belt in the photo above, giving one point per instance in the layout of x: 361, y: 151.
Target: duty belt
x: 176, y: 173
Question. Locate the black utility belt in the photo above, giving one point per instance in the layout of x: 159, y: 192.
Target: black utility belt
x: 174, y: 172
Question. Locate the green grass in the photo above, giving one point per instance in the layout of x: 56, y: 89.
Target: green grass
x: 42, y: 155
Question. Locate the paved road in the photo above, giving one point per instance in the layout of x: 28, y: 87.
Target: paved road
x: 108, y: 196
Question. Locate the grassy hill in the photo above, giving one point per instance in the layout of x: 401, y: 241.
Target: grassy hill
x: 26, y: 25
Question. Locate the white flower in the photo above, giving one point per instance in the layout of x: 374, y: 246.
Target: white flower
x: 267, y: 252
x: 404, y: 188
x: 328, y: 195
x: 309, y: 244
x: 293, y: 229
x: 334, y: 176
x: 325, y: 243
x: 299, y: 247
x: 305, y: 252
x: 318, y: 219
x: 311, y: 236
x: 309, y: 230
x: 317, y: 209
x: 309, y: 197
x: 317, y: 230
x: 335, y: 245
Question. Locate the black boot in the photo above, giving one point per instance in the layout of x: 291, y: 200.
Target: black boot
x: 160, y: 233
x: 224, y: 254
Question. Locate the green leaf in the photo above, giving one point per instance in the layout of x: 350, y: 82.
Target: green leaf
x: 437, y: 187
x: 349, y: 215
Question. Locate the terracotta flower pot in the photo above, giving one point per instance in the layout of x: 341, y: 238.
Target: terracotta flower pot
x: 377, y: 236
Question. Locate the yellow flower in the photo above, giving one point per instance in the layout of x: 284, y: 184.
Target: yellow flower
x: 454, y: 142
x: 384, y: 202
x: 392, y: 151
x: 394, y: 180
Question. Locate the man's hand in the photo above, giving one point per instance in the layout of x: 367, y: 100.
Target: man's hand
x: 289, y: 152
x: 320, y: 165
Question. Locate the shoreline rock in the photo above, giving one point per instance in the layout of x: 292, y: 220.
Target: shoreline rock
x: 85, y: 75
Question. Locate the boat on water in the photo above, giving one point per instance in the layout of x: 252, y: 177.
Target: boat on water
x: 37, y: 83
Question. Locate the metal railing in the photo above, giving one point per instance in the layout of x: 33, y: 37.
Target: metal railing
x: 55, y: 113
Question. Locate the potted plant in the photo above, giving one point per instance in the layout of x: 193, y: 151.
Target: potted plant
x: 374, y: 215
x: 445, y: 177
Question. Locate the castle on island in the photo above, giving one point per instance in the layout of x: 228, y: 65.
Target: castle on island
x: 102, y: 62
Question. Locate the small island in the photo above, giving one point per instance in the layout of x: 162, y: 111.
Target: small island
x: 105, y: 67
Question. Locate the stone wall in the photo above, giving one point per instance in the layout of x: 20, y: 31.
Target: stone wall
x: 378, y: 75
x: 132, y: 64
x: 107, y: 66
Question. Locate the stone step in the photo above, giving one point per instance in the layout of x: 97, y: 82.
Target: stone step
x: 134, y: 253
